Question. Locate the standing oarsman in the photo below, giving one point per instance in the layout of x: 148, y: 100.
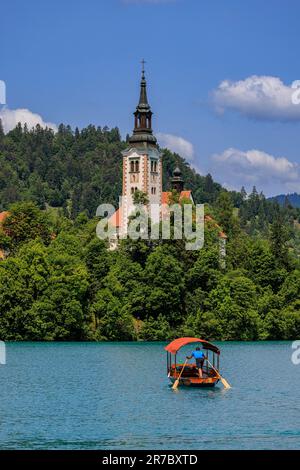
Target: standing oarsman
x: 199, y: 357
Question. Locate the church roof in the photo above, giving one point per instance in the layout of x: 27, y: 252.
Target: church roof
x: 3, y: 216
x: 142, y: 132
x: 116, y: 219
x: 183, y: 195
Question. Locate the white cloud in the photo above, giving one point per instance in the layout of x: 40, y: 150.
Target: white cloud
x: 259, y: 97
x: 254, y: 167
x: 11, y: 117
x: 177, y: 144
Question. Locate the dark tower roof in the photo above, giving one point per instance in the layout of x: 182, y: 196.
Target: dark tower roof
x: 177, y: 172
x: 143, y: 103
x: 142, y: 132
x: 177, y: 180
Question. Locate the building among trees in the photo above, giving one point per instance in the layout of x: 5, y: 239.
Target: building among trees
x: 142, y: 172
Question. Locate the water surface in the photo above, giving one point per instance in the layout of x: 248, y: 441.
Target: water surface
x: 117, y: 396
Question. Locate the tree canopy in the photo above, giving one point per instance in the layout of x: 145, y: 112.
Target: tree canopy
x: 60, y: 282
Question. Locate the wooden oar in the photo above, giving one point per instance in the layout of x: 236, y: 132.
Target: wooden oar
x: 224, y: 381
x: 176, y: 383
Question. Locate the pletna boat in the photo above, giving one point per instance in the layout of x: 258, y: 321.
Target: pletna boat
x: 188, y: 373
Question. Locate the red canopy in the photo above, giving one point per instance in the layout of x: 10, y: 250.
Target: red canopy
x: 178, y: 343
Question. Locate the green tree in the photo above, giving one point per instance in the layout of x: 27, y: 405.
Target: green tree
x: 26, y: 222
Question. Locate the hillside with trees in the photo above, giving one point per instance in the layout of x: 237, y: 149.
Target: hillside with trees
x: 59, y: 281
x: 285, y: 199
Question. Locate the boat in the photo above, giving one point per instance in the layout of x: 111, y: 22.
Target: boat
x: 188, y: 373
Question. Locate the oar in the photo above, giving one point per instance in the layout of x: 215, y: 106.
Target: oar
x: 224, y: 381
x: 176, y: 383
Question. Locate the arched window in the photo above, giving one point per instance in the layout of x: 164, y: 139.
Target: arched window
x: 155, y: 167
x: 137, y: 166
x: 132, y: 165
x: 132, y: 190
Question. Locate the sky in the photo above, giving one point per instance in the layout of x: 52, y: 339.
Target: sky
x: 221, y: 75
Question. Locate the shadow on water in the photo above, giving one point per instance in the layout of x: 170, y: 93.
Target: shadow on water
x: 203, y: 392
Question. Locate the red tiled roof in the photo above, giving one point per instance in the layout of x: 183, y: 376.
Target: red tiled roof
x: 116, y: 219
x: 166, y: 194
x: 165, y: 197
x: 208, y: 218
x: 185, y: 194
x: 222, y: 235
x: 3, y: 216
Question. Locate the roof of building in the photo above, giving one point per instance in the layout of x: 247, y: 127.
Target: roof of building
x: 142, y: 132
x: 3, y: 216
x: 116, y: 219
x: 208, y: 218
x: 183, y: 195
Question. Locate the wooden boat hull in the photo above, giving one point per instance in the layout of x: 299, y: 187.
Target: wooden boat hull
x: 190, y: 376
x: 206, y: 382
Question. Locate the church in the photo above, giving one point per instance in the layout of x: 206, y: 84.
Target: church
x: 142, y: 169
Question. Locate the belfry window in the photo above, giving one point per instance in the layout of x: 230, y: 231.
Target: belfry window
x: 153, y: 166
x: 137, y: 166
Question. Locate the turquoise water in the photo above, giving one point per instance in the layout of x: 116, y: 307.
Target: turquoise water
x: 117, y: 396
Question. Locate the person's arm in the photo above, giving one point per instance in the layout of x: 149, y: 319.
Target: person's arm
x: 189, y: 357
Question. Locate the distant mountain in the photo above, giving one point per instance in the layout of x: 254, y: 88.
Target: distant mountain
x: 294, y: 199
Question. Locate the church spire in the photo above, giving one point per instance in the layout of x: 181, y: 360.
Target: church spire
x: 143, y: 93
x: 142, y: 132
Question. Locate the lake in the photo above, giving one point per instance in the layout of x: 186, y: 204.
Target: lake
x: 117, y: 396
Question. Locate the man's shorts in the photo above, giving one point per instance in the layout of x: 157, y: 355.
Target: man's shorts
x: 199, y: 363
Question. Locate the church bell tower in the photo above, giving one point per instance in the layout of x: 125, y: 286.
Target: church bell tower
x: 142, y: 168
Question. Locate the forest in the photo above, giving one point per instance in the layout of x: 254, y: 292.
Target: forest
x: 58, y: 281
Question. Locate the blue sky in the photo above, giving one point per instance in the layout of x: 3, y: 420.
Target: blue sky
x: 219, y: 77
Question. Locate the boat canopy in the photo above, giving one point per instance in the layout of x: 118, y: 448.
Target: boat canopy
x: 178, y: 343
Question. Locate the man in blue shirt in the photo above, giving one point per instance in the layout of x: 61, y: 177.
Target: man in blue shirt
x: 199, y: 358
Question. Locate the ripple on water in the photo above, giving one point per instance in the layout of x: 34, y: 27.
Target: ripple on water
x: 117, y: 396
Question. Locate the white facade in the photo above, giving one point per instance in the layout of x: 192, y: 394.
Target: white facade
x: 142, y: 170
